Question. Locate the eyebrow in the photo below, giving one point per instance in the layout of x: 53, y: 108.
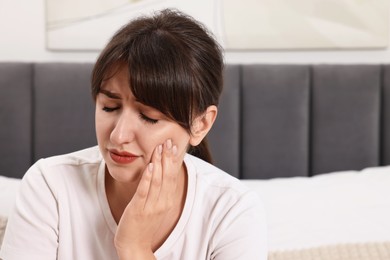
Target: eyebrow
x: 109, y: 94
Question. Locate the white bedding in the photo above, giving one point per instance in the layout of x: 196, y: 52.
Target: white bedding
x: 329, y: 209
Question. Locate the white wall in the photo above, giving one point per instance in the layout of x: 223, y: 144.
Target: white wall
x: 22, y: 38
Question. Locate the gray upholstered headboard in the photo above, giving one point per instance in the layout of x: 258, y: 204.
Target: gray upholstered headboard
x: 274, y: 120
x: 303, y: 120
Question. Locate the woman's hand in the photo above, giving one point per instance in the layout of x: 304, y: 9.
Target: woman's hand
x: 151, y: 202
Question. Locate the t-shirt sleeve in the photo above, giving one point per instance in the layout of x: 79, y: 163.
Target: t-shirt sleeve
x: 242, y: 234
x: 32, y: 229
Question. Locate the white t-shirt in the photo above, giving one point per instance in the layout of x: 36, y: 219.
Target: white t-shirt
x: 62, y: 212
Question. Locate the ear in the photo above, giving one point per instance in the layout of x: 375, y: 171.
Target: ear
x: 202, y: 125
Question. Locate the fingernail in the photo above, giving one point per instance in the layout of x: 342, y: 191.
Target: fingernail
x: 150, y: 167
x: 159, y: 149
x: 174, y: 150
x: 169, y: 143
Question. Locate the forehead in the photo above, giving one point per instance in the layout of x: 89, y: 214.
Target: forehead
x: 117, y: 80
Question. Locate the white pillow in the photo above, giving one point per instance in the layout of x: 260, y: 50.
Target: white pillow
x: 328, y: 209
x: 3, y: 223
x: 8, y: 190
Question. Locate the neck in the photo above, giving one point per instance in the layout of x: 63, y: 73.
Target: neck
x: 120, y: 194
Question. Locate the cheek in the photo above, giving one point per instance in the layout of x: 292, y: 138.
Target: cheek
x: 150, y: 140
x: 102, y: 125
x: 180, y: 138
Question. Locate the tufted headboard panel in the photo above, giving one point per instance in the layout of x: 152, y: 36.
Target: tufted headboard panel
x: 15, y: 118
x: 274, y: 120
x: 303, y: 120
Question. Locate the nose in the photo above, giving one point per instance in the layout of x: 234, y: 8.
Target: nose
x: 124, y: 130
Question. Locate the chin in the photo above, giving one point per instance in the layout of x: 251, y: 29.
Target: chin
x: 124, y: 174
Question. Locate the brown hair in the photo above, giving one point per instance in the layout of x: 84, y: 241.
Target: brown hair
x: 174, y: 65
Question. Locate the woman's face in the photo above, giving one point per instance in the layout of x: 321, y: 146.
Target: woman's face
x: 128, y: 132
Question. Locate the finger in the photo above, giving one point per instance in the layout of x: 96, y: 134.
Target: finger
x: 170, y: 170
x: 141, y: 194
x: 155, y: 184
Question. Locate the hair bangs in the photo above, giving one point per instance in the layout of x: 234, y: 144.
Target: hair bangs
x: 159, y: 78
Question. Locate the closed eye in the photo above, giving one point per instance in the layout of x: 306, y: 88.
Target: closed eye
x: 110, y: 109
x: 148, y: 119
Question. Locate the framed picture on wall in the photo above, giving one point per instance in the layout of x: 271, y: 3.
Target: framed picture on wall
x: 238, y: 25
x: 304, y: 24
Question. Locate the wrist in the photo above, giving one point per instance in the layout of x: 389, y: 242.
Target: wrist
x: 135, y: 253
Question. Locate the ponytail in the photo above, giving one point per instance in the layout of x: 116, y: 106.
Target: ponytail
x: 202, y: 151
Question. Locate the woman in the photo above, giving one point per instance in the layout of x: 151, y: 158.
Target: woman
x: 140, y: 194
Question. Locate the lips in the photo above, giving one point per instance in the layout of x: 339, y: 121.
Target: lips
x: 122, y: 157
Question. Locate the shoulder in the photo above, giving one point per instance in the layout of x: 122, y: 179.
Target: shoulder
x: 215, y: 186
x: 63, y: 168
x: 88, y: 156
x: 235, y: 213
x: 212, y: 176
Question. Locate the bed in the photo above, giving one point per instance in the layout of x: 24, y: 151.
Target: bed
x: 311, y: 139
